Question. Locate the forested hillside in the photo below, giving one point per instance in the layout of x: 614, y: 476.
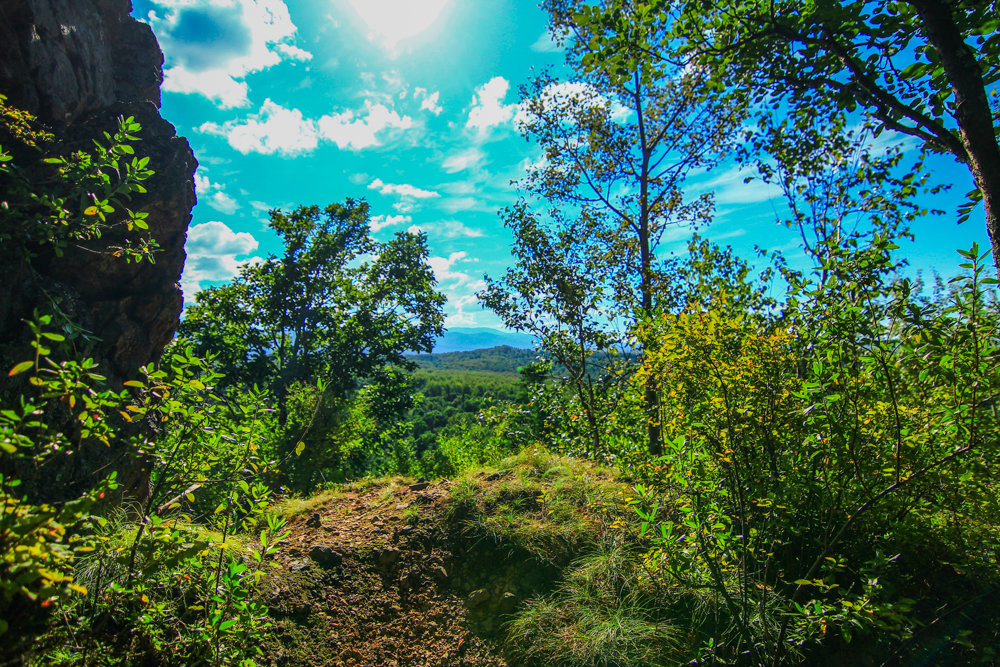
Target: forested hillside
x: 782, y: 458
x: 503, y: 360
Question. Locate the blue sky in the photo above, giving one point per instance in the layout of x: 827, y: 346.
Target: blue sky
x: 409, y: 104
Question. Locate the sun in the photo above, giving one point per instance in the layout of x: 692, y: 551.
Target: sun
x: 393, y: 21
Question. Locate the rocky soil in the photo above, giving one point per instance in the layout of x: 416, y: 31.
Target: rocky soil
x: 384, y: 576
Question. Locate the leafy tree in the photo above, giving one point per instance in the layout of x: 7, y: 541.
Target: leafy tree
x: 921, y: 68
x: 336, y: 305
x: 96, y: 564
x: 619, y: 140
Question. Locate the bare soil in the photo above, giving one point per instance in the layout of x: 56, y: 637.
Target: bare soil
x: 382, y: 577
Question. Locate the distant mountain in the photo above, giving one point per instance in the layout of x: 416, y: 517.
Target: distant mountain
x: 462, y: 339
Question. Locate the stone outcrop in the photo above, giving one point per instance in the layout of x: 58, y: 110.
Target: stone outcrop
x: 78, y: 65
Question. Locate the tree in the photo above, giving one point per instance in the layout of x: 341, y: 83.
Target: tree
x: 619, y: 140
x: 336, y: 306
x: 921, y: 68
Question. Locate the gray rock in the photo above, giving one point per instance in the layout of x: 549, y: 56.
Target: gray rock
x: 507, y: 603
x: 477, y: 598
x: 78, y: 65
x: 388, y: 557
x: 326, y: 556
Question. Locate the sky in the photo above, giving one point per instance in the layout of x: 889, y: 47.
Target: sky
x: 410, y: 105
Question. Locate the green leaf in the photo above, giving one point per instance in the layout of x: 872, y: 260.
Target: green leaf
x: 20, y: 368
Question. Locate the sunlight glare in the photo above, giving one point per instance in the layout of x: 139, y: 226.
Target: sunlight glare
x: 396, y: 20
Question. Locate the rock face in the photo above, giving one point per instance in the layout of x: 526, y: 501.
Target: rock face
x: 78, y: 65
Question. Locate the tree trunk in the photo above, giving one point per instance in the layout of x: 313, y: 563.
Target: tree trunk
x: 972, y: 109
x: 651, y: 397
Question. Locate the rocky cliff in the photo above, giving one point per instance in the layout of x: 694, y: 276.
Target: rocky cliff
x: 78, y: 65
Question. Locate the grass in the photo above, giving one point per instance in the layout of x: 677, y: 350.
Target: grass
x: 298, y: 505
x: 575, y: 515
x: 604, y: 613
x: 537, y: 502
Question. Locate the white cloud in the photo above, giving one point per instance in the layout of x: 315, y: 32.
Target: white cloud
x: 428, y: 101
x: 212, y: 46
x: 545, y: 44
x: 223, y: 203
x: 456, y: 204
x: 449, y: 229
x: 454, y: 229
x: 731, y: 190
x: 216, y: 85
x: 294, y: 52
x: 212, y: 193
x: 461, y: 188
x: 569, y: 94
x: 212, y: 251
x: 379, y: 222
x: 402, y: 190
x: 274, y: 129
x: 460, y: 318
x: 201, y: 183
x: 488, y: 107
x: 444, y: 271
x: 215, y: 238
x: 357, y: 131
x: 463, y: 160
x: 277, y: 130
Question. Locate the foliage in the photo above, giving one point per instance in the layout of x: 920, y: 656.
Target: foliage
x: 336, y: 311
x: 502, y: 360
x: 52, y: 200
x: 448, y: 397
x: 323, y: 309
x: 792, y: 443
x: 116, y: 575
x: 619, y: 142
x: 494, y: 434
x: 924, y: 69
x: 153, y: 570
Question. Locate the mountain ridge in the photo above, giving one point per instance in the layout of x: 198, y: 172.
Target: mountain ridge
x: 467, y: 339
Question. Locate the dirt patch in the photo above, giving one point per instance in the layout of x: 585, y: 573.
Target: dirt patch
x: 380, y: 577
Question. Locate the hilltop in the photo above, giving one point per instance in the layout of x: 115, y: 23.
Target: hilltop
x: 406, y: 572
